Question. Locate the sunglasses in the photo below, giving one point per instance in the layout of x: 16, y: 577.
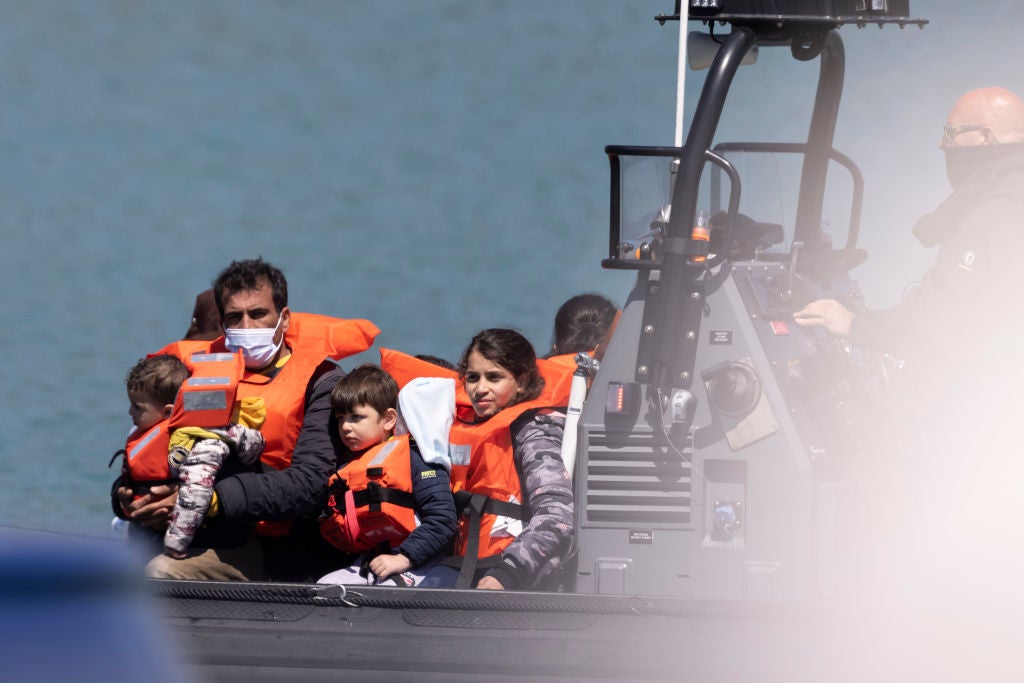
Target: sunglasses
x: 949, y: 131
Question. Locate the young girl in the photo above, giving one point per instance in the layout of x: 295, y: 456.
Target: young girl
x: 507, y: 472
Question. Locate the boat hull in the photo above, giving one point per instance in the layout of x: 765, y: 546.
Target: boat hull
x: 299, y: 632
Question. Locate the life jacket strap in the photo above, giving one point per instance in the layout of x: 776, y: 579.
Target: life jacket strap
x: 491, y: 506
x: 374, y: 494
x: 476, y: 504
x: 482, y: 563
x: 120, y: 452
x: 336, y: 489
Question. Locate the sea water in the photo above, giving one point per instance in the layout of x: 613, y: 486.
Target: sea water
x: 436, y: 167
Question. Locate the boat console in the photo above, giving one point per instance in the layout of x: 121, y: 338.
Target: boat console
x: 723, y: 447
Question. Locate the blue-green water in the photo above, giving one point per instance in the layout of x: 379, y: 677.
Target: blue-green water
x: 436, y: 167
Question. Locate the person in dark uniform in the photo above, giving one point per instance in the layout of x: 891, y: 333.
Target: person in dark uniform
x: 958, y: 334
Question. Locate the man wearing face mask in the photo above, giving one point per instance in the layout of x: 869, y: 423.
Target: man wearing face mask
x: 961, y: 323
x: 958, y: 333
x: 978, y: 227
x: 289, y: 364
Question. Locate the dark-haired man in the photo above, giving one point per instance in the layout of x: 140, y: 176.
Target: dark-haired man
x: 289, y: 364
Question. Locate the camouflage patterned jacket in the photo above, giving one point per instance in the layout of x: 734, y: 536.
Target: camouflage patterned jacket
x: 543, y: 546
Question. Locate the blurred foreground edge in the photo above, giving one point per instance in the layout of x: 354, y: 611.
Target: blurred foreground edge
x: 74, y: 608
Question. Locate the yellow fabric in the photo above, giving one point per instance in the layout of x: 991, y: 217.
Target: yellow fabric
x: 272, y: 369
x: 185, y: 437
x: 214, y: 509
x: 249, y: 412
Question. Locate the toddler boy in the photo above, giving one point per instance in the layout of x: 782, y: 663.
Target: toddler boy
x: 387, y: 505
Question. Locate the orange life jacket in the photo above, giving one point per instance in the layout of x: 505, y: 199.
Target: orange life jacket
x: 485, y: 480
x: 557, y: 382
x: 566, y: 359
x: 405, y: 368
x: 371, y: 501
x: 205, y: 399
x: 145, y: 458
x: 312, y: 338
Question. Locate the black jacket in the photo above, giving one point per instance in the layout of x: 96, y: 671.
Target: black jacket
x: 960, y: 330
x: 435, y: 508
x: 969, y: 300
x: 300, y: 489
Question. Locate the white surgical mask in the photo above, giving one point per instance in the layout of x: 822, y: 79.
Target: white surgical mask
x: 257, y: 344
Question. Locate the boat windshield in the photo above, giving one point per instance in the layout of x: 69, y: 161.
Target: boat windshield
x: 769, y: 198
x: 770, y: 181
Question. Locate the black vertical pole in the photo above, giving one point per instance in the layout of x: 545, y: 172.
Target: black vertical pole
x: 820, y: 139
x: 674, y: 303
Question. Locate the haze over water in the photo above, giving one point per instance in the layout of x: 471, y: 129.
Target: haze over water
x: 435, y: 167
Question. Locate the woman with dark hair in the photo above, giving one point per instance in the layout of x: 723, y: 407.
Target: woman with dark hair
x: 585, y: 323
x: 516, y: 526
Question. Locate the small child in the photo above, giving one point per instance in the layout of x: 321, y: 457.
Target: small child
x: 158, y: 453
x: 387, y: 505
x: 152, y: 385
